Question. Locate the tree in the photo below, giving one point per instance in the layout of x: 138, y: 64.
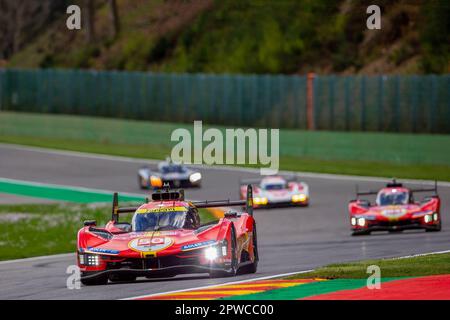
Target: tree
x: 89, y: 18
x: 114, y: 17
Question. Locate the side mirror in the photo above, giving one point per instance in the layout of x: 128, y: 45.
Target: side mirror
x: 364, y: 203
x: 90, y: 223
x: 123, y: 226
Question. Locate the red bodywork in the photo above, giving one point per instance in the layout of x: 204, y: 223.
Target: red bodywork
x: 168, y: 252
x: 365, y: 217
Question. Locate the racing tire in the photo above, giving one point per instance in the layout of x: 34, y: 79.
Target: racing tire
x: 142, y: 186
x: 234, y: 260
x: 253, y: 267
x: 97, y: 281
x: 361, y: 233
x: 436, y: 229
x: 122, y: 278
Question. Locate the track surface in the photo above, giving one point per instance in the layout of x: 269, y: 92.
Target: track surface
x: 290, y: 239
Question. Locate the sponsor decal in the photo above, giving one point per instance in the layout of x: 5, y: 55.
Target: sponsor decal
x: 150, y: 244
x: 197, y: 245
x: 166, y: 209
x: 102, y: 250
x: 394, y: 213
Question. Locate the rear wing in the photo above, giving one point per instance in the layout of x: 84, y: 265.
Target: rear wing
x: 433, y: 189
x: 257, y: 181
x: 247, y: 203
x: 179, y: 195
x: 395, y: 184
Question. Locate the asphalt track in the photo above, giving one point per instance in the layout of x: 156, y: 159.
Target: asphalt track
x: 290, y: 239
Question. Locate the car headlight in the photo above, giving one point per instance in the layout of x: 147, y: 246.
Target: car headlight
x: 299, y: 197
x: 361, y: 222
x: 156, y: 182
x: 435, y: 216
x: 195, y: 177
x: 353, y: 221
x: 428, y: 218
x: 89, y: 259
x: 211, y: 253
x: 81, y: 258
x: 260, y: 200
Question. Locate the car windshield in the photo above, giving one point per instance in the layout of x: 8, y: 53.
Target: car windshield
x: 274, y: 186
x: 173, y: 169
x: 392, y: 198
x: 159, y: 220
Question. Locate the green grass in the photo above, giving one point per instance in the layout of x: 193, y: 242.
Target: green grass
x: 42, y: 229
x: 407, y: 267
x: 419, y: 156
x: 350, y: 167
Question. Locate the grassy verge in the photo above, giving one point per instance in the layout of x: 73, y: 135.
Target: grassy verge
x: 407, y: 267
x: 418, y: 156
x: 350, y: 167
x: 43, y: 229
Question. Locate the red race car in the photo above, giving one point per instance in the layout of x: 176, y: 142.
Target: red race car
x: 395, y: 210
x: 166, y: 238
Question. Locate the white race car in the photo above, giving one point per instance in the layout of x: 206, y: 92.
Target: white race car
x: 276, y: 191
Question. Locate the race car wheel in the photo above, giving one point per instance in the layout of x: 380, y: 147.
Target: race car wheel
x: 437, y: 228
x: 142, y: 183
x: 251, y: 268
x: 97, y: 281
x: 234, y: 260
x: 360, y: 233
x: 122, y: 278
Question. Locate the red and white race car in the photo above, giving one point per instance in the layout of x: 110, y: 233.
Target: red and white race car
x: 395, y: 209
x: 276, y: 191
x: 166, y: 238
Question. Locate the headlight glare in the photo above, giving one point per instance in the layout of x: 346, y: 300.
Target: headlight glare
x: 299, y: 197
x: 195, y: 177
x: 211, y: 253
x: 259, y: 200
x: 361, y: 222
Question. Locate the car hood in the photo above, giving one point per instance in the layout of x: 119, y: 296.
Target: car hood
x: 394, y: 212
x: 139, y: 244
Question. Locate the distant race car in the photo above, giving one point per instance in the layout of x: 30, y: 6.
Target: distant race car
x: 176, y: 175
x: 395, y: 209
x: 276, y: 191
x: 166, y: 238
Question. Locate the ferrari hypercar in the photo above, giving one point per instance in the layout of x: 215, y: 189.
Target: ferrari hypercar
x: 395, y: 209
x: 176, y: 175
x: 166, y: 238
x: 276, y: 191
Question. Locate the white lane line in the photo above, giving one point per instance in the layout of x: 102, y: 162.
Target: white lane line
x: 219, y: 284
x: 326, y: 176
x: 419, y: 255
x: 25, y: 260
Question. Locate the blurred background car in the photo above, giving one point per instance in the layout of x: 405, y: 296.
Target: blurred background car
x: 276, y: 191
x: 171, y: 174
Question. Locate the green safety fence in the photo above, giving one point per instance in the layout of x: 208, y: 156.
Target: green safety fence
x: 347, y: 103
x: 383, y: 103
